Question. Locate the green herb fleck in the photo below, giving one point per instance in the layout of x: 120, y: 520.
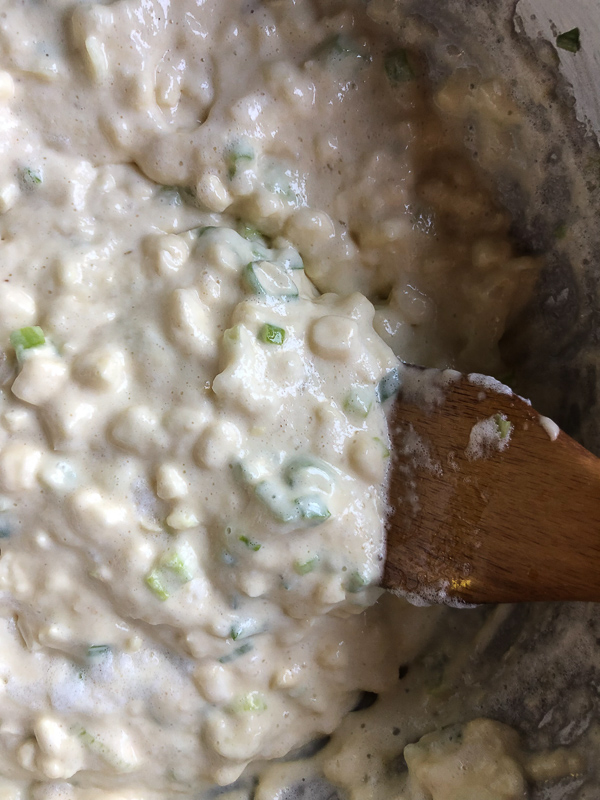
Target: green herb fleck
x: 172, y: 570
x: 335, y: 49
x: 359, y: 401
x: 204, y: 229
x: 30, y: 178
x: 26, y: 339
x: 291, y: 259
x: 388, y: 385
x: 239, y: 651
x: 96, y: 650
x: 356, y: 582
x: 303, y: 568
x: 179, y: 566
x: 271, y: 334
x: 155, y: 584
x: 250, y: 544
x: 313, y: 509
x: 385, y: 451
x: 170, y: 195
x: 570, y: 40
x: 253, y: 702
x: 251, y: 234
x: 177, y: 195
x: 239, y: 153
x: 397, y: 67
x: 232, y: 335
x: 503, y: 425
x: 266, y: 279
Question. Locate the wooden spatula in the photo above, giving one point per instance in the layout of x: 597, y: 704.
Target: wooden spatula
x: 489, y: 502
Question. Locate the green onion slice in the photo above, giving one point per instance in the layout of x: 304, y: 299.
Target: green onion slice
x: 266, y: 279
x: 271, y: 334
x: 237, y: 653
x: 252, y: 702
x: 250, y: 544
x: 388, y: 385
x: 503, y: 425
x: 570, y: 40
x: 239, y: 154
x: 26, y: 339
x: 313, y: 509
x: 303, y: 568
x: 96, y: 650
x: 397, y: 67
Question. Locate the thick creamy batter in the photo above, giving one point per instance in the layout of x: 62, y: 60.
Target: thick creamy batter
x: 221, y: 224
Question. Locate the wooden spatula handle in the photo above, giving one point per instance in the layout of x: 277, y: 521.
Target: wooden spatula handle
x: 521, y: 524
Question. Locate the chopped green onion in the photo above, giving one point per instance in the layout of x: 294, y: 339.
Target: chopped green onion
x: 385, y: 451
x: 284, y: 182
x: 290, y: 258
x: 251, y: 234
x: 260, y: 246
x: 177, y: 195
x: 172, y: 571
x: 250, y: 544
x: 155, y: 584
x: 269, y: 280
x: 503, y: 425
x: 232, y: 335
x: 277, y: 501
x: 30, y: 178
x: 388, y: 385
x: 356, y: 582
x: 253, y: 702
x: 359, y: 401
x: 112, y: 757
x: 335, y: 50
x: 180, y: 566
x: 313, y: 509
x: 308, y: 472
x: 204, y: 229
x: 86, y: 737
x: 170, y: 196
x: 238, y: 154
x: 570, y: 40
x: 187, y: 194
x: 242, y: 629
x: 240, y: 651
x: 96, y: 650
x: 26, y: 339
x: 242, y: 473
x: 306, y: 567
x: 271, y: 334
x: 397, y: 67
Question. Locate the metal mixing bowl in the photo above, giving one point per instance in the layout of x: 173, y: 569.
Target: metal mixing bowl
x: 539, y: 669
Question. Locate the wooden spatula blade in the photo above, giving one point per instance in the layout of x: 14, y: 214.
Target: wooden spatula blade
x: 489, y: 502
